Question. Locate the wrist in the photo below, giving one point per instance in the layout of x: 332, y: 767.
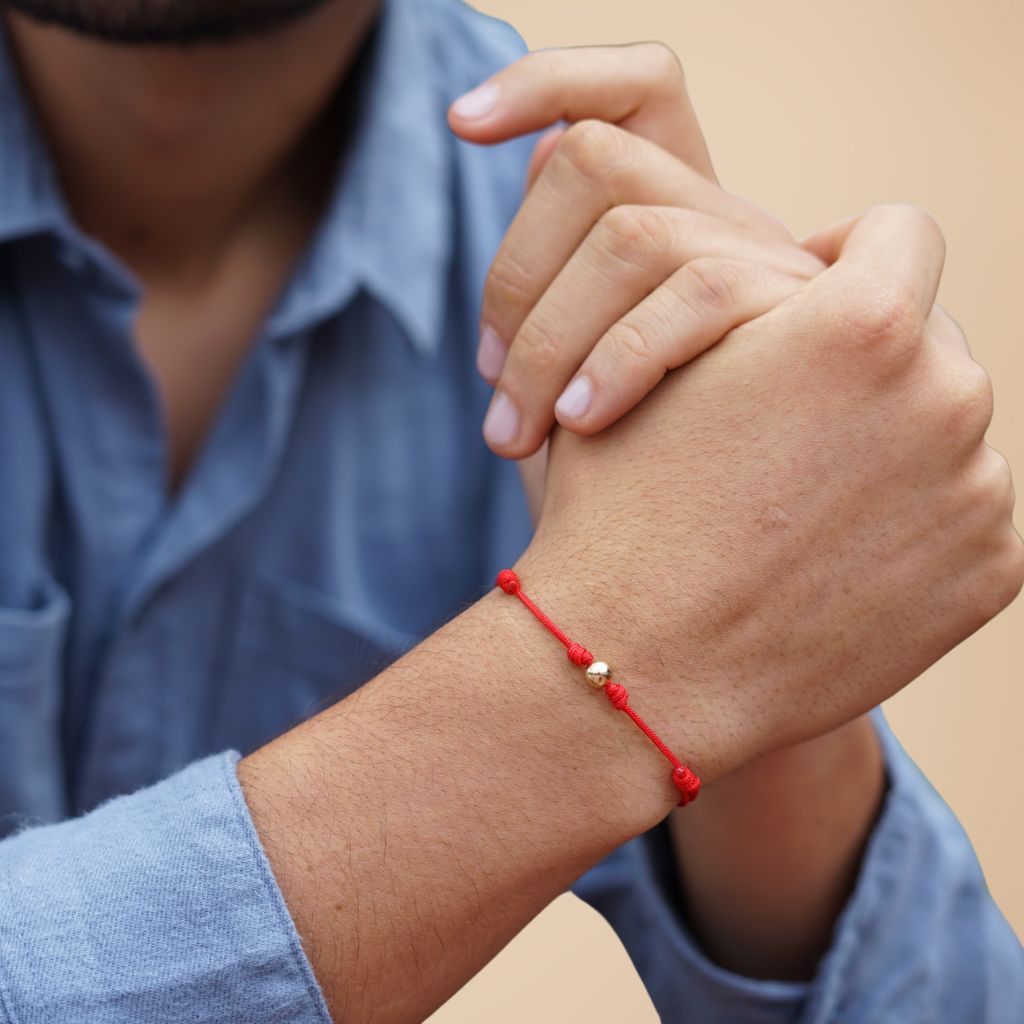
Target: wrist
x: 583, y: 750
x: 478, y: 772
x: 644, y: 647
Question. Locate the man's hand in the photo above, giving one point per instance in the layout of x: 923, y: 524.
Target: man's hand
x: 783, y: 534
x: 626, y: 259
x: 787, y: 532
x: 594, y: 284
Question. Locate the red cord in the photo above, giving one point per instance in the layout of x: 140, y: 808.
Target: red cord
x: 683, y: 778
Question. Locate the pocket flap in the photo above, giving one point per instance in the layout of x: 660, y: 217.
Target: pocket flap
x: 31, y: 688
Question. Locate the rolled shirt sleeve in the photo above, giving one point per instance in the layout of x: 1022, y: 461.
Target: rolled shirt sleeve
x: 920, y: 940
x: 161, y: 906
x: 156, y: 907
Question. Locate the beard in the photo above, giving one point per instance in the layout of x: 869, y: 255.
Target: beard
x: 164, y: 22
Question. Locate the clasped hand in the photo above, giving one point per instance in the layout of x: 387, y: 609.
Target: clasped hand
x: 787, y: 530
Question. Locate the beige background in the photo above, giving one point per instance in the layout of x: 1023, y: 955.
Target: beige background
x: 816, y: 110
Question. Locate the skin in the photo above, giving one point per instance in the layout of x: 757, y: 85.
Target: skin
x: 210, y: 220
x: 563, y: 296
x: 761, y: 662
x: 465, y: 801
x: 548, y: 290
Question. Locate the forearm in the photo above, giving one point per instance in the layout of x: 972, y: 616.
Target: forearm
x: 418, y: 825
x: 769, y: 854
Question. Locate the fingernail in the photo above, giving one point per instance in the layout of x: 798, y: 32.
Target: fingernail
x: 477, y: 103
x: 490, y: 356
x: 501, y: 424
x: 575, y: 399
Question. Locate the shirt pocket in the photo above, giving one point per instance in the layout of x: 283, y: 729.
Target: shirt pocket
x: 31, y: 658
x: 296, y: 650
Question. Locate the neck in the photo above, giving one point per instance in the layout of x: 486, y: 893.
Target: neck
x: 167, y: 154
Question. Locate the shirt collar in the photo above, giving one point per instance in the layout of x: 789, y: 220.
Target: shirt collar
x: 388, y: 223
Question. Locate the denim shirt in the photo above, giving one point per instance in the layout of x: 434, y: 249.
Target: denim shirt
x: 146, y: 640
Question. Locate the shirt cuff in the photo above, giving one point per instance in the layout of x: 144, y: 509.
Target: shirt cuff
x: 160, y: 906
x: 636, y: 890
x: 898, y: 947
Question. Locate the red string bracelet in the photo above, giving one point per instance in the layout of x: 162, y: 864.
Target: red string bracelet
x: 599, y: 675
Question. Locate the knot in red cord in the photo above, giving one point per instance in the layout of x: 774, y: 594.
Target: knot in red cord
x: 687, y: 783
x: 682, y: 778
x: 618, y: 695
x: 579, y: 655
x: 508, y: 581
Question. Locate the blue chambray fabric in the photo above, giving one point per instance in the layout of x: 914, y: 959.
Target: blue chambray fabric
x: 145, y: 639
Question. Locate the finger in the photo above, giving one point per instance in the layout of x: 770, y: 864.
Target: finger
x: 948, y: 332
x: 593, y: 168
x: 629, y: 253
x: 963, y: 384
x: 541, y: 152
x: 890, y: 258
x: 826, y: 242
x: 695, y: 308
x: 639, y: 87
x: 971, y: 379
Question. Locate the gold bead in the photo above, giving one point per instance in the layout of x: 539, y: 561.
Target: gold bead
x: 598, y: 673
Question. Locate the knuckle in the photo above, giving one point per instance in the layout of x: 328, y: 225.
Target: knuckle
x: 509, y: 283
x: 627, y: 342
x: 1000, y: 567
x: 882, y: 316
x: 1014, y: 566
x: 969, y: 403
x: 592, y: 147
x: 535, y: 350
x: 1004, y: 579
x: 634, y: 234
x: 996, y: 483
x: 709, y: 283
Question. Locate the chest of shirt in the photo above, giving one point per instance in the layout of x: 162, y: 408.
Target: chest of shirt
x: 342, y: 507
